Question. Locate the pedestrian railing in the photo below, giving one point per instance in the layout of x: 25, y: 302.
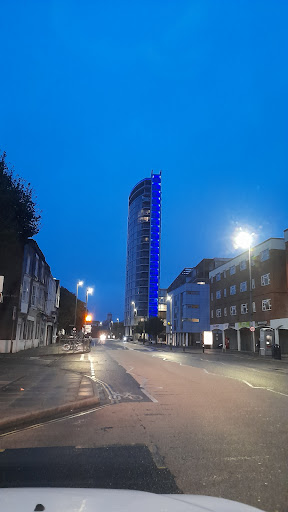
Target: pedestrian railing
x: 75, y: 344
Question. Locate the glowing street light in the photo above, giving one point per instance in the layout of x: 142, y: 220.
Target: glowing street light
x: 243, y: 239
x: 88, y: 318
x: 80, y: 283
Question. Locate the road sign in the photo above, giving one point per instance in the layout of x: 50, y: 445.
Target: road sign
x: 252, y: 329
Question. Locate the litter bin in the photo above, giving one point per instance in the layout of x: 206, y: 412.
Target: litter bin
x: 277, y: 352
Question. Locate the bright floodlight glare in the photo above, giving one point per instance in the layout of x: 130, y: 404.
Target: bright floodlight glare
x: 88, y: 318
x: 102, y: 337
x: 243, y: 240
x: 89, y: 291
x: 80, y: 283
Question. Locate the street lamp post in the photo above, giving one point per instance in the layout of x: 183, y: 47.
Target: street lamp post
x: 80, y: 283
x: 132, y: 316
x: 244, y: 240
x: 169, y: 298
x: 89, y: 291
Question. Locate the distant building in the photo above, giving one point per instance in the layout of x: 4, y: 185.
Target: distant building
x: 231, y: 315
x: 143, y: 252
x: 29, y: 312
x: 188, y: 304
x: 107, y: 322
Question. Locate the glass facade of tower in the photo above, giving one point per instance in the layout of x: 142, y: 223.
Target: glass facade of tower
x: 143, y: 251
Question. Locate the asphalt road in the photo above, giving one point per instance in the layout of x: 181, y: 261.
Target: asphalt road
x: 212, y: 423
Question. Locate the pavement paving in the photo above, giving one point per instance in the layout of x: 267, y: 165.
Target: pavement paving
x: 32, y: 388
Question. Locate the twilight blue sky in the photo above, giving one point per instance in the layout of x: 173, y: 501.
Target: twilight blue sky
x: 95, y: 94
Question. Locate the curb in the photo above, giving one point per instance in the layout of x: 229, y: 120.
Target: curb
x: 25, y: 420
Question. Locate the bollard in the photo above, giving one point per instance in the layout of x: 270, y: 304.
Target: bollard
x: 170, y: 346
x: 183, y: 348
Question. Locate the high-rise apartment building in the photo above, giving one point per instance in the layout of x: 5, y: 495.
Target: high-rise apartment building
x: 143, y: 252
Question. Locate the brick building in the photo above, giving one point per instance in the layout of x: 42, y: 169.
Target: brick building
x: 231, y: 315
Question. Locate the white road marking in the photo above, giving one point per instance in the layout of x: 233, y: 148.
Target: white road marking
x: 245, y: 382
x: 148, y: 395
x: 266, y: 389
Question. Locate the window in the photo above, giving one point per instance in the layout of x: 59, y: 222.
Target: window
x: 233, y: 289
x: 253, y: 307
x: 232, y: 270
x: 42, y: 272
x: 195, y: 319
x: 37, y: 329
x: 265, y: 255
x: 225, y: 292
x: 224, y: 273
x: 28, y: 264
x: 211, y: 295
x: 253, y: 283
x: 25, y: 290
x: 232, y: 310
x: 218, y: 276
x: 218, y: 294
x: 218, y: 312
x: 253, y: 261
x: 36, y: 266
x: 265, y: 279
x: 244, y: 309
x: 212, y: 313
x: 225, y: 311
x: 34, y: 295
x: 29, y: 330
x: 41, y: 299
x: 242, y: 265
x: 243, y: 286
x: 192, y: 306
x: 266, y: 305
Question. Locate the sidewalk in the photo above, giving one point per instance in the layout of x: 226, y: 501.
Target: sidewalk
x: 31, y: 390
x: 210, y: 351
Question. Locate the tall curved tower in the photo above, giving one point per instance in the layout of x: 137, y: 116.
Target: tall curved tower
x: 143, y: 252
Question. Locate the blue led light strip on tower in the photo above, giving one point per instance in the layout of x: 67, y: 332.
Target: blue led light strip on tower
x: 155, y: 225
